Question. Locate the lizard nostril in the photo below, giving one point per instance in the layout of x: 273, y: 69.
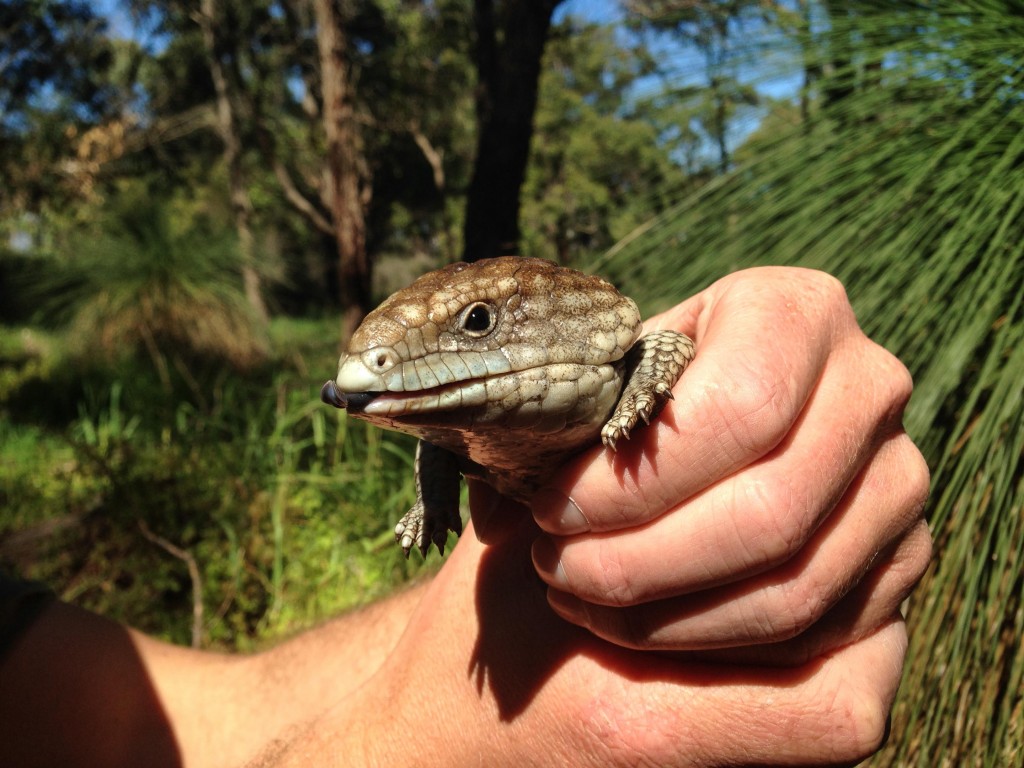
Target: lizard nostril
x: 380, y: 360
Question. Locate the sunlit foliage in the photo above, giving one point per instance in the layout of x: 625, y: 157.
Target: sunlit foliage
x: 907, y: 182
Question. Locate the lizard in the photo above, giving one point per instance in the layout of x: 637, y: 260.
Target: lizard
x: 503, y: 368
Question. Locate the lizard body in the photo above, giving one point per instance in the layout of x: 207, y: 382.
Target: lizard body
x: 503, y: 368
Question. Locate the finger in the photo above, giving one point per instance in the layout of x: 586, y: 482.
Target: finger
x: 787, y: 600
x: 877, y: 598
x: 837, y: 716
x: 831, y: 712
x: 753, y: 520
x: 758, y: 360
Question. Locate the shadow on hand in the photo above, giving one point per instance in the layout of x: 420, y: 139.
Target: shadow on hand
x: 522, y: 644
x: 630, y: 456
x: 521, y: 641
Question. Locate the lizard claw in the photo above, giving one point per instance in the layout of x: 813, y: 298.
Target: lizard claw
x: 610, y: 435
x: 414, y: 530
x: 658, y: 360
x: 440, y: 538
x: 404, y: 539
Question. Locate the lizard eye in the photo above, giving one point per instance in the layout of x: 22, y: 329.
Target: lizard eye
x: 478, y: 319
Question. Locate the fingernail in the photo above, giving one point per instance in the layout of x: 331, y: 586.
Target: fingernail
x: 548, y: 562
x: 557, y: 513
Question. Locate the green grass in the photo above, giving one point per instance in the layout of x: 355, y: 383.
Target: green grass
x: 286, y: 505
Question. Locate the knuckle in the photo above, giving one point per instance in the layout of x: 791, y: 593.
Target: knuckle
x: 608, y: 578
x: 775, y: 523
x: 903, y: 478
x: 756, y: 408
x: 851, y: 705
x: 918, y: 557
x: 829, y: 287
x: 917, y: 481
x: 832, y: 288
x: 893, y: 379
x: 794, y: 609
x: 828, y: 294
x: 902, y: 380
x: 908, y: 479
x: 860, y: 718
x: 913, y: 486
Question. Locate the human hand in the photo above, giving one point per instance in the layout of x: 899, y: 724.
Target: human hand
x: 772, y: 512
x: 486, y: 674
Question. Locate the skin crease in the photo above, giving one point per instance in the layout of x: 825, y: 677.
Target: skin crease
x: 772, y: 515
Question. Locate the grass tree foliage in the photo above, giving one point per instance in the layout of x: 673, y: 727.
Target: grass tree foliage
x: 907, y: 182
x: 147, y: 280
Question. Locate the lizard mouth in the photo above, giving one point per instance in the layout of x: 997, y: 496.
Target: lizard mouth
x: 397, y: 404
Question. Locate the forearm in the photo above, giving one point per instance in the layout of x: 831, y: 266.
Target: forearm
x: 298, y: 680
x: 78, y: 689
x: 468, y: 683
x: 74, y: 690
x: 227, y: 709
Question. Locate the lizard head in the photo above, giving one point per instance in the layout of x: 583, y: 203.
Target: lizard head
x: 471, y: 335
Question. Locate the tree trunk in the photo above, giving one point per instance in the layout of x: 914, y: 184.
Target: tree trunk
x: 241, y: 203
x: 720, y: 125
x: 510, y: 37
x: 344, y: 186
x: 840, y: 83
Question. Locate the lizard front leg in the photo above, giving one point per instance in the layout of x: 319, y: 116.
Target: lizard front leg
x: 653, y: 365
x: 436, y: 510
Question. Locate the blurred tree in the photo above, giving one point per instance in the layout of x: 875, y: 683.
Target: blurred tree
x: 425, y: 157
x: 380, y: 91
x: 54, y: 60
x: 211, y: 18
x: 603, y: 155
x: 346, y: 184
x: 711, y: 27
x: 385, y: 92
x: 508, y: 46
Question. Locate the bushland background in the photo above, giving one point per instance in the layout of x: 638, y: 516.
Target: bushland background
x: 199, y: 200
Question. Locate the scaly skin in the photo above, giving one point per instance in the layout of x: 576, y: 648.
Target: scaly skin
x: 504, y: 369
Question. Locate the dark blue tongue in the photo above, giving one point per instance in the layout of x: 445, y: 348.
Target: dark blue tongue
x: 353, y: 401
